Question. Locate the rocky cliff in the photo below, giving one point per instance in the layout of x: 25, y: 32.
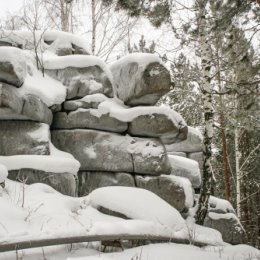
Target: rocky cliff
x: 69, y: 120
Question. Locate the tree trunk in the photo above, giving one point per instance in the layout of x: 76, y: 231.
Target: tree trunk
x: 93, y: 14
x: 208, y: 116
x: 64, y: 15
x: 225, y: 156
x: 238, y: 175
x: 223, y: 131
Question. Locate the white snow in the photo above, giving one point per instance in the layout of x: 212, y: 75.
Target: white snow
x: 217, y: 216
x: 3, y: 173
x: 77, y: 61
x: 142, y: 59
x: 163, y: 251
x: 47, y: 214
x: 170, y: 251
x: 49, y: 90
x: 137, y: 203
x: 45, y: 163
x: 118, y: 110
x: 12, y: 221
x: 185, y: 167
x: 25, y: 39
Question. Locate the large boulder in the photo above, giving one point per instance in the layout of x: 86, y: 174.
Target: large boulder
x: 66, y: 183
x: 135, y: 203
x: 103, y: 151
x: 89, y: 181
x: 83, y: 75
x: 140, y: 79
x: 158, y: 125
x: 147, y: 121
x: 14, y: 105
x: 13, y: 68
x: 24, y: 137
x: 89, y: 119
x: 184, y: 167
x: 192, y: 144
x: 174, y: 190
x: 228, y: 225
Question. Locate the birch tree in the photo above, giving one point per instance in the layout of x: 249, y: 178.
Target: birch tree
x: 106, y: 28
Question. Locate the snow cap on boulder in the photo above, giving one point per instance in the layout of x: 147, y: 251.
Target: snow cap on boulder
x: 135, y: 203
x: 13, y: 68
x: 140, y: 79
x: 82, y: 74
x: 64, y: 43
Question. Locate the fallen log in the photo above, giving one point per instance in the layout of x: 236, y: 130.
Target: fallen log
x: 43, y: 242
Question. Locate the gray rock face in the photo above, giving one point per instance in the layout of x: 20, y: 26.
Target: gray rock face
x: 62, y: 182
x: 192, y: 144
x: 89, y: 119
x: 228, y: 225
x: 64, y: 51
x: 36, y: 110
x: 89, y: 181
x: 83, y: 81
x: 23, y: 137
x: 102, y: 151
x: 137, y: 84
x: 13, y: 68
x: 11, y: 102
x: 165, y: 187
x: 15, y: 106
x: 70, y: 50
x: 158, y: 125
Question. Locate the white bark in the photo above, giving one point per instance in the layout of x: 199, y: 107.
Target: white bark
x: 208, y: 116
x: 94, y: 22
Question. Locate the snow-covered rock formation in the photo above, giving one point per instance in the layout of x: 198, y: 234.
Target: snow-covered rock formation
x: 101, y: 118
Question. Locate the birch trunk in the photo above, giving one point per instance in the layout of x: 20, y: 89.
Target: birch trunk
x: 208, y: 117
x: 93, y: 14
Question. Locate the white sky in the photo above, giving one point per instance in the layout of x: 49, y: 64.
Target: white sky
x: 9, y: 6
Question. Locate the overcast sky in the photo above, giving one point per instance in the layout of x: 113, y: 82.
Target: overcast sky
x: 9, y: 6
